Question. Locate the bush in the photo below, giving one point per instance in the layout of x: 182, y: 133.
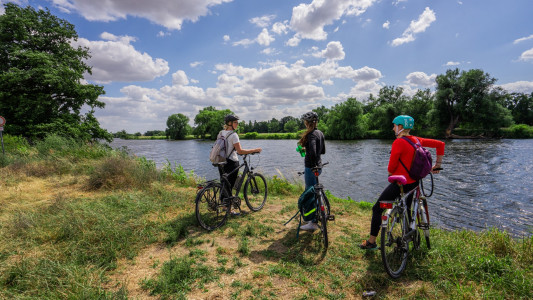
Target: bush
x: 519, y: 131
x: 251, y: 135
x: 123, y: 172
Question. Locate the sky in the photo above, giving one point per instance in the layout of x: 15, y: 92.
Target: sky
x: 265, y: 59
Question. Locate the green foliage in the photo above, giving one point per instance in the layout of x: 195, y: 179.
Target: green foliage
x: 521, y: 107
x: 345, y: 121
x: 16, y: 145
x: 41, y: 75
x: 121, y: 172
x: 178, y: 174
x: 177, y: 127
x: 251, y: 135
x: 518, y: 131
x: 209, y: 120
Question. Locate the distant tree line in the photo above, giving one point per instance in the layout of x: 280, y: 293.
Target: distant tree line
x: 464, y: 104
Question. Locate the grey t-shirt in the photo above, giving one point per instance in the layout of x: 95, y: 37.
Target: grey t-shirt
x: 231, y: 140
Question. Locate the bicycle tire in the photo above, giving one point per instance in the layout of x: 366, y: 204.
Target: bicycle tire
x: 394, y: 250
x: 322, y: 221
x: 326, y: 202
x: 255, y: 191
x: 211, y: 213
x: 425, y: 211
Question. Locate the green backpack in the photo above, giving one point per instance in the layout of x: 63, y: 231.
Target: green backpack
x: 306, y: 207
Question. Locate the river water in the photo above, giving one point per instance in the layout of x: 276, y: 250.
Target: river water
x: 485, y: 183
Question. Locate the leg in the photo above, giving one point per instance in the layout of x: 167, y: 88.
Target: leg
x: 310, y: 179
x: 228, y: 168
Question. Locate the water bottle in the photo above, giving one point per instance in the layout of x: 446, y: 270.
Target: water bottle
x: 300, y: 150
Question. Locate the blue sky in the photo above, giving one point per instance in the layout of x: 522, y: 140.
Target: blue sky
x: 268, y: 59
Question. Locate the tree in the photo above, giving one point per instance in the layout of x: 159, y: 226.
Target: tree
x: 344, y: 120
x: 521, y: 107
x: 41, y: 77
x: 177, y: 127
x: 209, y: 120
x: 291, y: 126
x: 466, y: 98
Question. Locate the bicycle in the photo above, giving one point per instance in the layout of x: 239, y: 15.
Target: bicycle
x: 214, y: 199
x: 323, y: 207
x: 397, y: 228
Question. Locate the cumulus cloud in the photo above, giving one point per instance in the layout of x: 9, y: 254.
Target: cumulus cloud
x: 115, y: 59
x: 416, y: 26
x: 523, y: 39
x: 195, y: 64
x: 308, y: 20
x: 263, y: 21
x: 386, y: 25
x: 280, y: 28
x: 226, y: 38
x: 333, y: 51
x: 168, y: 13
x: 527, y: 55
x: 525, y: 87
x: 421, y: 79
x: 264, y: 39
x: 253, y: 93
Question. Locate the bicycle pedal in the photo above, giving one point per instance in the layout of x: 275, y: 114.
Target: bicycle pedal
x: 331, y: 218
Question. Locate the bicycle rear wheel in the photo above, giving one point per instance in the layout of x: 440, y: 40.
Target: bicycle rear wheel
x: 255, y: 191
x: 394, y: 249
x: 211, y: 212
x: 323, y: 220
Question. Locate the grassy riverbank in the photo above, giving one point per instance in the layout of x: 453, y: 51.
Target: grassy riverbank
x: 89, y: 222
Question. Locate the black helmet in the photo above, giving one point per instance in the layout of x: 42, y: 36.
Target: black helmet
x: 230, y: 118
x: 310, y: 116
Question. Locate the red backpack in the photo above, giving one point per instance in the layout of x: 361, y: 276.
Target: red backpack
x: 422, y: 162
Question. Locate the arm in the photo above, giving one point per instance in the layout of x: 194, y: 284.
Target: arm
x: 241, y: 151
x: 440, y: 152
x: 394, y: 160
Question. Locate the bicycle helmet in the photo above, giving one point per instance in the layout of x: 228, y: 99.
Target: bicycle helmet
x: 310, y: 116
x: 406, y: 121
x: 230, y: 118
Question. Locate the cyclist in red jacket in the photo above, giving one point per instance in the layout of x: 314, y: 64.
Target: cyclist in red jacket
x: 401, y: 150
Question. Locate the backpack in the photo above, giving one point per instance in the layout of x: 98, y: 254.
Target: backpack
x: 422, y: 162
x: 306, y: 207
x: 218, y: 151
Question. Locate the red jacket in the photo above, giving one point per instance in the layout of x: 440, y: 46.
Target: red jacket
x: 401, y: 149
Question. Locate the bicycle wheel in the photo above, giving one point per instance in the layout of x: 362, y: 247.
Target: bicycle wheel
x: 423, y: 219
x: 326, y: 203
x: 322, y: 220
x: 394, y: 249
x: 211, y: 212
x: 255, y: 191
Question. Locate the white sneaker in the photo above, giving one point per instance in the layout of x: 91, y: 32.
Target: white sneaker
x: 310, y: 226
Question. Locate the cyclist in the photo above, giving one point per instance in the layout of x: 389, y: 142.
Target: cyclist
x: 313, y: 142
x: 231, y: 122
x: 401, y: 150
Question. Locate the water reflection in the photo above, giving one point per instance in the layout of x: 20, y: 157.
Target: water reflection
x: 484, y: 182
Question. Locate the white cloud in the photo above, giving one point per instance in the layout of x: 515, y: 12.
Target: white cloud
x: 264, y: 38
x: 386, y: 25
x: 226, y: 38
x: 263, y: 21
x: 308, y: 20
x: 452, y: 63
x: 415, y: 27
x: 294, y: 41
x: 523, y: 39
x: 527, y: 55
x: 195, y: 64
x: 253, y: 93
x: 280, y: 28
x: 421, y: 79
x: 525, y: 87
x: 116, y: 60
x: 163, y: 34
x: 333, y: 51
x: 168, y: 13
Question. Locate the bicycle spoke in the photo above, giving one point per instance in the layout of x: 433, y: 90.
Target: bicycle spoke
x: 394, y: 249
x: 211, y: 212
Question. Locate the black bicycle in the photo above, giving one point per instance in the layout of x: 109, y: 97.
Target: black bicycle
x: 323, y: 208
x: 402, y: 225
x: 214, y: 200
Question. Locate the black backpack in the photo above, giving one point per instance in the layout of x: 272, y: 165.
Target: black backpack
x: 306, y: 207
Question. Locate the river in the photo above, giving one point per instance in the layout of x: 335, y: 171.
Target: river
x: 485, y: 183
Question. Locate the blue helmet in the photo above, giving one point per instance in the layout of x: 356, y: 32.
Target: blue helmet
x: 406, y: 121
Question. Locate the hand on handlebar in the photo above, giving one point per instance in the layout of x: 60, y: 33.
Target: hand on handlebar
x: 436, y: 169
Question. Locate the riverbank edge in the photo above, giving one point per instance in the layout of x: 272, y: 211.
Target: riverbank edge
x: 74, y: 216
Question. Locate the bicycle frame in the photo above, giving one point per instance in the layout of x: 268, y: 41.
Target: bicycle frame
x: 401, y: 204
x: 248, y: 170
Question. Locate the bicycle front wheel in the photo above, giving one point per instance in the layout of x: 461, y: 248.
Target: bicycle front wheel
x: 211, y: 212
x: 394, y: 249
x: 323, y: 220
x: 255, y: 191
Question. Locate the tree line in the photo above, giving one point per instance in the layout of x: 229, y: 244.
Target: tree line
x: 464, y: 104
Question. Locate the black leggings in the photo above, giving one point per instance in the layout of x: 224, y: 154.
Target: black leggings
x: 228, y: 167
x: 391, y: 192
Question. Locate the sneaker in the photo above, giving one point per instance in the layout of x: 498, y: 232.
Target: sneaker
x: 366, y: 245
x: 310, y: 226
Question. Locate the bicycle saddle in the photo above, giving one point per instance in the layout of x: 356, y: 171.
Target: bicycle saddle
x: 398, y: 179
